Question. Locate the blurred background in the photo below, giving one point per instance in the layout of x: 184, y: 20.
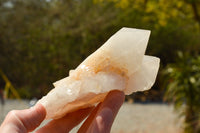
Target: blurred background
x: 41, y: 40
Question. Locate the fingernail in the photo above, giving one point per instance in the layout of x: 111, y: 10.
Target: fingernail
x: 104, y: 120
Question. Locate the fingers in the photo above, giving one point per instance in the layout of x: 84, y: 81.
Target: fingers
x: 103, y: 121
x: 22, y: 121
x: 107, y: 112
x: 32, y: 118
x: 100, y: 120
x: 89, y: 120
x: 104, y: 116
x: 66, y: 123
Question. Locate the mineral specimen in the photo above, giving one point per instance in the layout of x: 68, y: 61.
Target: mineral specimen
x: 119, y: 64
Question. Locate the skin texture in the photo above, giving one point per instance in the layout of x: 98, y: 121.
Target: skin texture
x: 100, y: 118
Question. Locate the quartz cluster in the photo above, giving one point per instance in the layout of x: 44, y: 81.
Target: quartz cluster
x: 119, y: 64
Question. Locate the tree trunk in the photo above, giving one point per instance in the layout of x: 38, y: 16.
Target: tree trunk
x: 195, y: 11
x: 191, y: 120
x: 145, y: 4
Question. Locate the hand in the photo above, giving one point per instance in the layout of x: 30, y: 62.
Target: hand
x: 99, y: 121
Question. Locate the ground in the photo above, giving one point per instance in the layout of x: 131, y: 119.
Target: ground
x: 132, y: 118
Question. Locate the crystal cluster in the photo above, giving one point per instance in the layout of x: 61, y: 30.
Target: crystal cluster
x: 119, y: 64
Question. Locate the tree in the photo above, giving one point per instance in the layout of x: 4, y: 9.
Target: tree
x: 183, y: 89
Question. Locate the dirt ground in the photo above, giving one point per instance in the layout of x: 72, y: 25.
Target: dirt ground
x: 132, y: 118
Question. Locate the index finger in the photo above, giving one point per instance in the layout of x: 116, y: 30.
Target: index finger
x: 101, y: 119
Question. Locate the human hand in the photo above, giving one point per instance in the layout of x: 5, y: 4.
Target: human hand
x: 99, y: 121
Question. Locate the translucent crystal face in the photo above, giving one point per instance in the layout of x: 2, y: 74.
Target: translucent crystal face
x: 119, y: 64
x: 124, y: 50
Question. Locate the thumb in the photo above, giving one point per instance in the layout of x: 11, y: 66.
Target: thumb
x: 22, y: 121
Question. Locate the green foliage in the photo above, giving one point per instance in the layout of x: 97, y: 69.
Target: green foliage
x: 183, y: 88
x: 41, y: 40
